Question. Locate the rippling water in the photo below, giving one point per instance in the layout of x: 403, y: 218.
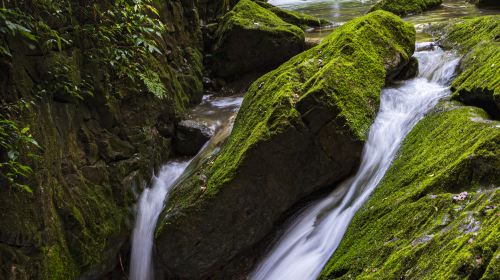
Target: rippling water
x: 340, y: 11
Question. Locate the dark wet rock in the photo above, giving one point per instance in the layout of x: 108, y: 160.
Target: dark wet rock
x: 190, y: 136
x: 409, y: 71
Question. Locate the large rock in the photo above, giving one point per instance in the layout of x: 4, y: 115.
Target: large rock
x: 300, y: 129
x: 252, y: 39
x: 435, y: 213
x: 478, y: 83
x: 406, y: 7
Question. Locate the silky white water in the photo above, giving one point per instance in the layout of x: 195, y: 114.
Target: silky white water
x: 215, y: 113
x: 150, y: 206
x: 313, y: 236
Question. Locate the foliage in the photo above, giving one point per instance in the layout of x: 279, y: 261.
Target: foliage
x: 13, y: 139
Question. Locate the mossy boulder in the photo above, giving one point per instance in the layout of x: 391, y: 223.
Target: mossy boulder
x: 435, y: 214
x: 299, y: 19
x: 252, y: 39
x: 300, y: 129
x: 478, y: 39
x: 406, y: 7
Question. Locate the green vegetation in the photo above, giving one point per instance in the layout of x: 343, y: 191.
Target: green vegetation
x: 12, y: 138
x: 412, y: 227
x: 406, y: 7
x: 479, y: 81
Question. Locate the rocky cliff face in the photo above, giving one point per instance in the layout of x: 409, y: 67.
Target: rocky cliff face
x: 101, y: 105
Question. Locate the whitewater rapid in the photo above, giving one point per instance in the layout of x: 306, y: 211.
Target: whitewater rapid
x: 313, y: 236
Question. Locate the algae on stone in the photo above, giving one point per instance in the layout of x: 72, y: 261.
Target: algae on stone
x: 406, y: 7
x: 301, y: 128
x: 412, y: 227
x: 478, y: 83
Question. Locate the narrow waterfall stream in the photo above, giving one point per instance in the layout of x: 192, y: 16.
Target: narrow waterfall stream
x: 216, y: 114
x: 313, y: 236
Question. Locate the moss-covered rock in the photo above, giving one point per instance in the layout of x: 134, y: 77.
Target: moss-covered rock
x: 252, y: 39
x: 479, y: 81
x: 406, y: 7
x: 416, y: 225
x: 301, y: 128
x: 296, y: 18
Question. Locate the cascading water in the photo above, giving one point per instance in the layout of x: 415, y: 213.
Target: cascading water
x: 150, y: 206
x: 215, y: 113
x: 313, y: 236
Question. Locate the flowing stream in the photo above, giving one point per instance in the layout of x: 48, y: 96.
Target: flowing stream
x: 216, y: 114
x: 313, y: 236
x: 341, y: 11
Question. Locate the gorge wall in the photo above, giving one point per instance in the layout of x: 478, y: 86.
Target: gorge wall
x: 93, y: 89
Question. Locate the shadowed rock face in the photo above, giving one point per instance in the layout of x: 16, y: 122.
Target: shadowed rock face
x: 301, y: 128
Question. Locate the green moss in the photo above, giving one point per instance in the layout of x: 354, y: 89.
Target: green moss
x: 411, y: 227
x: 57, y: 265
x: 248, y: 15
x: 299, y: 19
x: 479, y: 81
x: 406, y: 7
x: 344, y: 74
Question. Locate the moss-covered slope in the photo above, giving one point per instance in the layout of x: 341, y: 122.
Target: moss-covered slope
x: 414, y: 226
x: 301, y: 127
x: 479, y: 81
x: 406, y: 7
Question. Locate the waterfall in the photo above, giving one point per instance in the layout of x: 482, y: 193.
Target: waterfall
x: 218, y: 115
x: 313, y: 236
x: 150, y: 206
